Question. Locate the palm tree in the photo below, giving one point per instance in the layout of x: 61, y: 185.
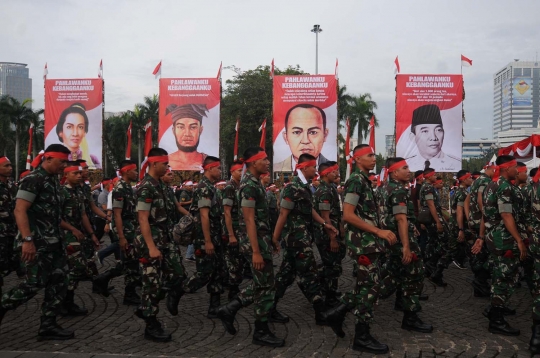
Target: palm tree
x: 20, y: 115
x: 139, y: 120
x: 150, y: 108
x: 343, y: 104
x: 360, y: 111
x: 115, y: 139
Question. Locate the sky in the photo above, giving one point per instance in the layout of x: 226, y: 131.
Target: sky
x: 192, y: 37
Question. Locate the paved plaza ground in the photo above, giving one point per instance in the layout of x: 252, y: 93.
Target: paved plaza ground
x: 111, y: 329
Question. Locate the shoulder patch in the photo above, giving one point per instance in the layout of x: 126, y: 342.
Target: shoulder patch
x: 148, y: 200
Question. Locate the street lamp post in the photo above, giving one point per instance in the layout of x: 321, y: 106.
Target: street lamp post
x: 316, y: 29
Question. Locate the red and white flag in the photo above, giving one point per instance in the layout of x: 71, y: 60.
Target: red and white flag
x: 219, y: 71
x: 157, y: 70
x: 465, y: 62
x: 45, y: 72
x: 128, y: 146
x: 236, y: 139
x: 337, y: 77
x: 262, y: 129
x: 147, y: 147
x: 348, y: 150
x: 371, y: 129
x: 396, y: 67
x: 100, y: 71
x: 29, y: 153
x: 272, y: 70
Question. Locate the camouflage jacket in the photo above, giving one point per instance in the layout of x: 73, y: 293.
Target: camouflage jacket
x: 475, y: 214
x: 272, y: 201
x: 326, y: 198
x: 230, y: 198
x: 526, y: 191
x: 458, y: 200
x: 206, y: 196
x: 153, y: 196
x: 499, y: 197
x: 535, y: 215
x: 73, y: 207
x: 251, y: 194
x: 87, y: 195
x: 8, y: 194
x: 185, y: 195
x: 523, y: 210
x: 123, y: 197
x: 43, y: 190
x: 396, y: 199
x: 428, y: 192
x: 358, y: 193
x: 297, y: 197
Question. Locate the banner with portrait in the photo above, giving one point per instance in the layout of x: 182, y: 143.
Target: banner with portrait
x: 305, y: 119
x: 189, y: 120
x: 74, y: 117
x: 429, y: 121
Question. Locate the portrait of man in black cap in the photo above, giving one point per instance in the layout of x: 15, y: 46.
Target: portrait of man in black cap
x: 187, y: 129
x: 427, y: 132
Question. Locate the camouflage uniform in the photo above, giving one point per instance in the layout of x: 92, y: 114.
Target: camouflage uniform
x: 479, y: 262
x: 500, y: 197
x: 87, y: 248
x: 158, y: 276
x: 272, y: 207
x: 210, y: 268
x: 437, y: 245
x: 261, y: 289
x: 535, y: 248
x: 8, y: 230
x: 409, y: 278
x: 326, y: 198
x: 47, y: 271
x: 523, y: 221
x: 298, y: 257
x: 72, y: 212
x: 364, y: 247
x: 234, y: 260
x: 123, y: 197
x: 455, y: 248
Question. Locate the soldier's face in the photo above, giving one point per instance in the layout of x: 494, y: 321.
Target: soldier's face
x: 6, y: 169
x: 85, y: 173
x: 57, y: 165
x: 189, y: 187
x: 310, y: 172
x: 215, y: 173
x: 522, y: 177
x: 402, y: 174
x: 262, y: 166
x: 161, y: 168
x: 366, y: 161
x: 429, y: 139
x: 167, y: 178
x: 512, y: 172
x: 132, y: 174
x: 236, y: 174
x: 305, y: 132
x: 74, y: 178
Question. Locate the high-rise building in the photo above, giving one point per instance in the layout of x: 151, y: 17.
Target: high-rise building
x: 516, y: 96
x: 15, y: 81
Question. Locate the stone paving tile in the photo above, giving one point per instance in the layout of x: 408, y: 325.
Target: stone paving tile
x: 112, y: 330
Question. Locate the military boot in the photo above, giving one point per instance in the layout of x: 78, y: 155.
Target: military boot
x: 398, y: 305
x: 262, y: 336
x: 276, y: 316
x: 173, y: 299
x: 70, y: 308
x: 215, y: 302
x: 364, y: 341
x: 227, y: 313
x: 100, y: 283
x: 506, y: 311
x: 131, y: 298
x: 154, y: 331
x: 412, y: 322
x: 50, y: 330
x: 320, y: 318
x: 534, y: 344
x: 334, y: 317
x: 437, y: 277
x: 234, y: 290
x: 498, y: 325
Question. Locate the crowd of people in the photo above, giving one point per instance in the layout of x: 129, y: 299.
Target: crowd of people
x: 394, y: 229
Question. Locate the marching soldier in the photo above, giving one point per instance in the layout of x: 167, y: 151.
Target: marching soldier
x: 38, y: 213
x: 256, y: 245
x: 534, y: 344
x: 8, y: 228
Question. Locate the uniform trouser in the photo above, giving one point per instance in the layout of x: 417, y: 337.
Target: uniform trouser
x: 234, y: 261
x: 160, y: 276
x: 331, y: 266
x: 210, y: 269
x: 46, y: 271
x: 299, y: 261
x: 261, y: 291
x: 80, y: 268
x: 409, y: 278
x: 9, y: 261
x: 503, y: 277
x: 535, y: 253
x: 480, y: 262
x: 367, y: 289
x: 437, y: 250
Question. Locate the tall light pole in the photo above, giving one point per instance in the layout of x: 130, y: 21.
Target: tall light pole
x: 316, y: 29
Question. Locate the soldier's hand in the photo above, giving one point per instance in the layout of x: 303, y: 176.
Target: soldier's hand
x: 95, y: 241
x: 439, y: 227
x: 28, y: 252
x: 477, y: 247
x: 388, y: 236
x: 232, y: 240
x: 330, y: 229
x: 277, y: 247
x: 334, y: 245
x: 258, y: 262
x: 407, y: 256
x: 416, y: 232
x: 78, y: 235
x: 209, y: 248
x: 122, y: 242
x: 155, y: 254
x: 461, y: 236
x: 522, y: 251
x: 106, y: 228
x: 423, y: 227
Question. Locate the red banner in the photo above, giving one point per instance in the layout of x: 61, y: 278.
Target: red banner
x: 429, y: 121
x: 305, y: 119
x: 74, y: 117
x: 189, y: 120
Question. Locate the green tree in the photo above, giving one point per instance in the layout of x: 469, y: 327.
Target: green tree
x: 115, y: 140
x: 360, y: 111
